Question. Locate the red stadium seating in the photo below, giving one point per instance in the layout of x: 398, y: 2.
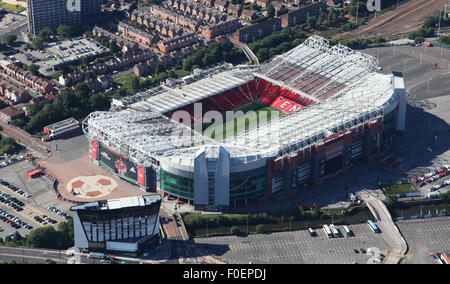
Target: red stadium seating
x: 256, y: 90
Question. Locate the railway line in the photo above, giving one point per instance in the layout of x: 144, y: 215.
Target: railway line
x: 399, y: 22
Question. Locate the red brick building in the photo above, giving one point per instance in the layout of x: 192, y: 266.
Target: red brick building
x: 211, y: 32
x: 258, y: 30
x: 300, y: 15
x: 177, y: 43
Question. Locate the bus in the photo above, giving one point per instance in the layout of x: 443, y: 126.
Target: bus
x: 373, y: 227
x: 327, y: 231
x: 334, y: 231
x: 347, y: 231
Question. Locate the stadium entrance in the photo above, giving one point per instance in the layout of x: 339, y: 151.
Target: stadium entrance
x: 333, y: 165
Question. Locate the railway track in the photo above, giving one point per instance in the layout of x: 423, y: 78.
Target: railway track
x: 399, y: 22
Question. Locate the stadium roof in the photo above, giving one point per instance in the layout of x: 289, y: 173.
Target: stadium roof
x: 350, y: 93
x: 174, y: 95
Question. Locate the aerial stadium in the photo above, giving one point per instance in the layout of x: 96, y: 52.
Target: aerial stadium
x: 332, y: 109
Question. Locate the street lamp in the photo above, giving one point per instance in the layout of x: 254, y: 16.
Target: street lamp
x: 290, y: 221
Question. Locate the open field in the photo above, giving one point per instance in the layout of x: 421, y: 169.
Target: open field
x: 252, y: 115
x: 11, y: 7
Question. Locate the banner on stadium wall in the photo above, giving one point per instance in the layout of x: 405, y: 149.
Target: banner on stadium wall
x: 118, y: 163
x: 286, y: 105
x: 94, y: 150
x: 141, y: 176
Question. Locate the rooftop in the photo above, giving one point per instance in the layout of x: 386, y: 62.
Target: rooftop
x: 349, y: 93
x: 113, y: 204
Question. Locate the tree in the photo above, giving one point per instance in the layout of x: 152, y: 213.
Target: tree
x: 135, y: 84
x: 9, y: 39
x: 255, y: 7
x: 260, y: 228
x: 85, y: 60
x: 312, y: 21
x: 37, y: 43
x: 235, y: 230
x: 391, y: 200
x: 98, y: 102
x: 283, y: 10
x: 46, y: 33
x: 159, y: 68
x: 64, y: 30
x: 270, y: 11
x: 33, y: 68
x: 113, y: 47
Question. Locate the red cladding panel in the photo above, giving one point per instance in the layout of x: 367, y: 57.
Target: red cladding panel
x: 141, y: 176
x: 94, y: 150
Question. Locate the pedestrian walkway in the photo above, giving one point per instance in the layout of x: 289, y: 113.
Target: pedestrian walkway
x: 388, y: 228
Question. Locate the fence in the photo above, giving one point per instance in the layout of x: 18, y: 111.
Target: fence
x: 441, y: 45
x: 424, y: 216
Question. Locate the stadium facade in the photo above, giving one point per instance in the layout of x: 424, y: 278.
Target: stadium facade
x: 127, y: 225
x: 337, y: 110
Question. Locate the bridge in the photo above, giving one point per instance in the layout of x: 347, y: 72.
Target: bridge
x: 388, y: 228
x: 247, y: 51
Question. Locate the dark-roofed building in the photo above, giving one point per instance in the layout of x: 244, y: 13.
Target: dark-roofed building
x: 10, y: 113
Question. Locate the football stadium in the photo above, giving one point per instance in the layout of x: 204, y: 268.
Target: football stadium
x: 228, y: 135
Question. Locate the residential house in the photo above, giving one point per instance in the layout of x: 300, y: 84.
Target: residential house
x: 300, y: 15
x: 221, y: 5
x: 248, y: 15
x: 258, y: 30
x: 235, y: 10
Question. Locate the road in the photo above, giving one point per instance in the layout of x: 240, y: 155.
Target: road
x: 387, y: 226
x: 183, y: 250
x: 247, y: 51
x: 29, y: 255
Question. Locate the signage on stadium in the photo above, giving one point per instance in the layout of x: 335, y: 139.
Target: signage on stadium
x: 118, y: 163
x: 286, y: 105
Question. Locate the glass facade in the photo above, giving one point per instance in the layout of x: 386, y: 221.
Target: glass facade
x: 240, y: 189
x: 388, y: 127
x: 176, y: 185
x: 248, y: 187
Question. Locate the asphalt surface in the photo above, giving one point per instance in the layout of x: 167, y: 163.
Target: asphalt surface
x: 295, y: 247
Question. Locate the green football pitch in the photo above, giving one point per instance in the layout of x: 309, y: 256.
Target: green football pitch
x: 237, y: 120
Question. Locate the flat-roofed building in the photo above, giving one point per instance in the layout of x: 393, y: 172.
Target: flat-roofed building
x: 52, y: 13
x: 127, y: 225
